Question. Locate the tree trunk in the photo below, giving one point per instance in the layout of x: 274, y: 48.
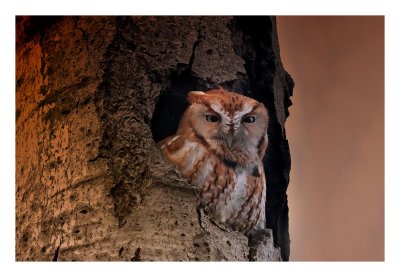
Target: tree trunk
x: 94, y: 95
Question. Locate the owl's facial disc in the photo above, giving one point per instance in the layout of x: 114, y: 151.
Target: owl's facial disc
x: 225, y: 124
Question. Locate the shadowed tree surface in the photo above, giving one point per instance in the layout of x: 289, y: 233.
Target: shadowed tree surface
x: 95, y: 94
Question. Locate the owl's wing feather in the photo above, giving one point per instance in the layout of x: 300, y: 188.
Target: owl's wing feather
x: 172, y: 144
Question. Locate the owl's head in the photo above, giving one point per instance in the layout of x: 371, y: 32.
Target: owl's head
x: 231, y: 125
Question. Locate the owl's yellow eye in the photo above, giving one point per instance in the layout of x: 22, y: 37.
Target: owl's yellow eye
x: 213, y: 118
x: 249, y: 119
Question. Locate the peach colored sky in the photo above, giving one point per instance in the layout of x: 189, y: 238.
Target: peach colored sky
x: 336, y: 136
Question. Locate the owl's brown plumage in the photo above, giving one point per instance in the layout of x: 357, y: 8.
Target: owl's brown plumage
x: 218, y: 148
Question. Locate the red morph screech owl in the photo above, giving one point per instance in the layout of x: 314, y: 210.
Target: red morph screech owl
x: 218, y: 147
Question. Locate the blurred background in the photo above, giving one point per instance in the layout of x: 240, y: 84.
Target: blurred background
x: 336, y: 136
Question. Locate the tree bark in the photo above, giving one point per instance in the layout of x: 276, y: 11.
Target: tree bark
x: 94, y: 95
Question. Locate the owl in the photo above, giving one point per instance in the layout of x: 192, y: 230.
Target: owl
x: 218, y: 147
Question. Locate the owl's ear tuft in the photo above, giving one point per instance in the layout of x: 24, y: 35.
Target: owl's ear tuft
x: 195, y: 96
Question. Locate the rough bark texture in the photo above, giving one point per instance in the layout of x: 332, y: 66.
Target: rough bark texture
x: 94, y: 95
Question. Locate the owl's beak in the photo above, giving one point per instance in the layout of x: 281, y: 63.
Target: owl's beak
x: 229, y: 140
